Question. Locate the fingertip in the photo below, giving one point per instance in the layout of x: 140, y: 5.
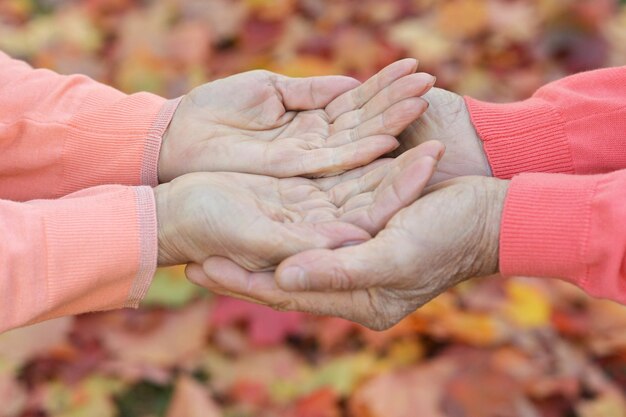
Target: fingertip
x: 411, y: 63
x: 195, y: 273
x: 338, y: 234
x: 432, y: 148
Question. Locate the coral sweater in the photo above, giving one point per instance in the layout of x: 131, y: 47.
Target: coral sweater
x: 71, y: 244
x: 556, y: 224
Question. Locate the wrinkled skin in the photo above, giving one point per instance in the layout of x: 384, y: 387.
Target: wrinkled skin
x: 257, y: 221
x: 447, y: 236
x: 447, y: 120
x: 259, y: 122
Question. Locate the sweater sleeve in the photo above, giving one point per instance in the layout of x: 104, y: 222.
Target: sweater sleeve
x: 576, y: 125
x: 571, y: 227
x: 60, y: 134
x: 92, y: 250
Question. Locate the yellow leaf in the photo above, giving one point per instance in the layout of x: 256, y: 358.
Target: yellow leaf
x: 526, y: 306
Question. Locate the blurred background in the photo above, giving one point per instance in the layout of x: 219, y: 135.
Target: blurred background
x: 489, y: 348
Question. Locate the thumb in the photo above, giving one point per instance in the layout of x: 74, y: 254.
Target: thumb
x: 367, y: 265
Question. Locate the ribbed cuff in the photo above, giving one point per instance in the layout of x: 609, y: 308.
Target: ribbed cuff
x: 115, y: 140
x: 148, y: 239
x: 546, y: 225
x: 149, y: 166
x: 527, y: 136
x: 101, y: 249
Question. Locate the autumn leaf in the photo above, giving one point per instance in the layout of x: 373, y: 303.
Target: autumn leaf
x: 267, y: 327
x: 191, y: 399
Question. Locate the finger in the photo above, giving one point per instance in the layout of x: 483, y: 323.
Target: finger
x: 370, y: 180
x: 357, y: 97
x: 312, y: 92
x: 331, y: 161
x: 288, y: 239
x: 368, y: 265
x: 405, y: 188
x: 412, y: 85
x: 391, y: 122
x: 225, y: 277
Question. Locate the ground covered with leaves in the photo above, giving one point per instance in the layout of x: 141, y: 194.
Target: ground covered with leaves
x: 489, y: 348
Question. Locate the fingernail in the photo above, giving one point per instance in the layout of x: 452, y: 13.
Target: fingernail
x: 352, y: 243
x: 293, y: 278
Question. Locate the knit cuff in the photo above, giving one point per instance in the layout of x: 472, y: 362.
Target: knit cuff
x: 527, y: 136
x: 150, y: 163
x: 117, y: 142
x: 101, y: 249
x: 546, y: 225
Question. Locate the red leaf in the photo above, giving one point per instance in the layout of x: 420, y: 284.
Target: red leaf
x: 267, y: 327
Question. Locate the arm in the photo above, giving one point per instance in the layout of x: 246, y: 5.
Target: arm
x: 97, y: 249
x: 541, y: 225
x: 60, y: 134
x: 576, y: 125
x: 92, y: 250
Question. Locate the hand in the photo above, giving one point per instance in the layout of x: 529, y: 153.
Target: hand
x: 447, y: 236
x: 448, y: 121
x: 264, y: 123
x: 257, y: 221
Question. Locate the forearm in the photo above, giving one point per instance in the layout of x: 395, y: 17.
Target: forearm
x: 93, y: 250
x: 568, y: 227
x: 576, y: 125
x: 60, y: 134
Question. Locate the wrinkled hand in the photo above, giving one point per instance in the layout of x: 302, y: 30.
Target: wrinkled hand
x: 257, y: 221
x: 264, y: 123
x: 445, y: 237
x: 448, y: 121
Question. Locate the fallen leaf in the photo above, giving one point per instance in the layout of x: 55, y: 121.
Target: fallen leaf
x: 192, y: 399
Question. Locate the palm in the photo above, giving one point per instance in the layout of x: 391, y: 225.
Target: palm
x: 262, y: 123
x: 447, y: 120
x: 257, y: 221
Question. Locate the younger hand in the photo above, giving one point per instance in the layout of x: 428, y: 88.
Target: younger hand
x: 257, y: 221
x: 264, y: 123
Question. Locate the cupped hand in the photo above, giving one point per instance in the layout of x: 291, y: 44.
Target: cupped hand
x: 447, y: 236
x: 447, y: 120
x: 257, y: 221
x: 259, y: 122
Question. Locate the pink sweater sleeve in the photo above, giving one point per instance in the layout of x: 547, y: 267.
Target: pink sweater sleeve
x: 569, y: 227
x: 576, y: 125
x: 60, y: 134
x: 92, y: 250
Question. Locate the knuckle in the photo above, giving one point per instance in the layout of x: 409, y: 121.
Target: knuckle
x: 340, y: 279
x: 357, y: 97
x: 355, y: 135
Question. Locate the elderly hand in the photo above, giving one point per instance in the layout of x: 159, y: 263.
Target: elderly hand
x: 264, y: 123
x: 447, y: 236
x: 448, y: 121
x: 257, y: 221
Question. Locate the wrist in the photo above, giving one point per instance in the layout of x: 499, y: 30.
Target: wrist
x: 164, y: 226
x: 166, y: 164
x: 495, y: 196
x: 475, y: 143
